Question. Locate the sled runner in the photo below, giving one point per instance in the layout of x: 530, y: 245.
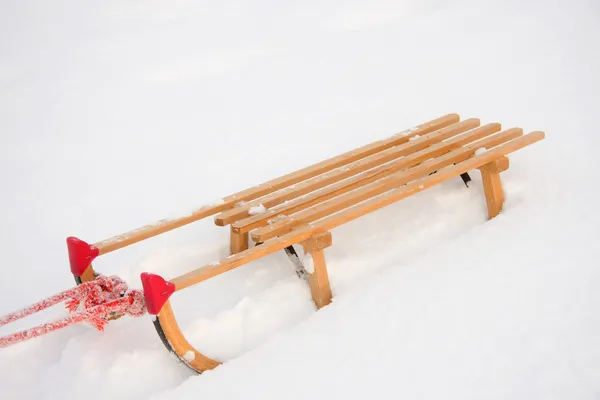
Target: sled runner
x: 300, y: 208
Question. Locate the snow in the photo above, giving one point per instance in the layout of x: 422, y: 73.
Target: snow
x: 217, y: 202
x: 114, y: 114
x: 407, y: 131
x: 309, y: 263
x: 189, y: 356
x: 258, y: 209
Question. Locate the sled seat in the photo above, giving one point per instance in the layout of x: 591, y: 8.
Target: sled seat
x: 303, y: 207
x: 348, y: 180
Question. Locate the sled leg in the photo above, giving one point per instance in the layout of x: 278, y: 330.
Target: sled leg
x: 492, y: 185
x: 239, y: 242
x: 318, y: 278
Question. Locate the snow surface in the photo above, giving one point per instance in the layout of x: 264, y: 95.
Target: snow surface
x: 116, y: 114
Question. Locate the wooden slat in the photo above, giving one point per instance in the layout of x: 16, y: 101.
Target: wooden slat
x: 300, y: 203
x: 352, y: 213
x: 166, y: 225
x: 378, y: 187
x: 273, y: 199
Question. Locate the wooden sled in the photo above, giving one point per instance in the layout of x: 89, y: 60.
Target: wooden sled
x: 301, y: 208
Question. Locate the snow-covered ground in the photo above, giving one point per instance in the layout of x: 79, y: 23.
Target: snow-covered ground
x: 115, y: 114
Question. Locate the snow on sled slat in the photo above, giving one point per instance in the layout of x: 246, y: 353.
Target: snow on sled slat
x: 166, y: 225
x: 380, y: 186
x: 277, y: 197
x: 363, y: 178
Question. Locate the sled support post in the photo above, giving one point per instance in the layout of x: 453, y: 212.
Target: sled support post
x: 319, y: 279
x: 239, y: 242
x: 492, y: 185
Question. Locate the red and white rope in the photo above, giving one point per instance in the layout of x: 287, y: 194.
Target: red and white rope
x: 93, y: 302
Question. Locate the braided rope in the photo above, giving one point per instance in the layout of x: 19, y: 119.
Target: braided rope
x: 94, y: 302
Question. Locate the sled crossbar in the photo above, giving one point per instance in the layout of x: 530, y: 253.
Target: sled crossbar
x: 302, y: 207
